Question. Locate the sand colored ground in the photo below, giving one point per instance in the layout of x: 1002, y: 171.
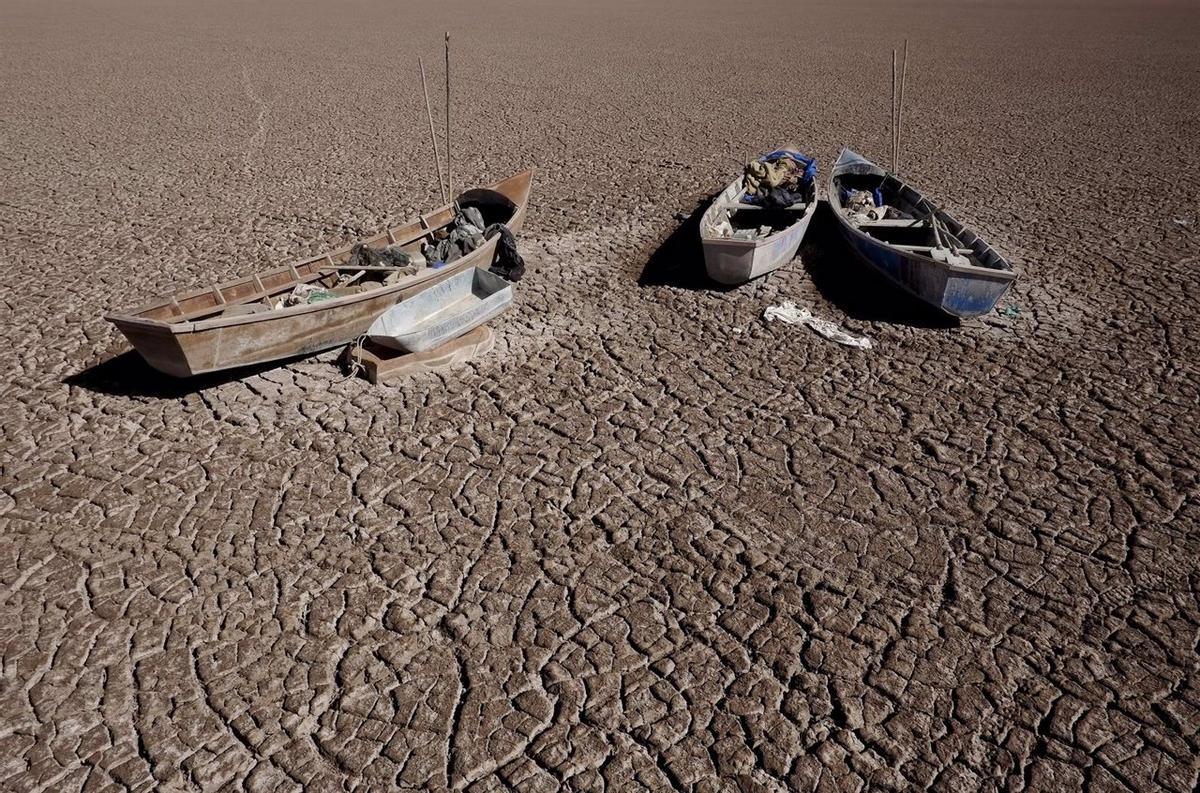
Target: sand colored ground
x: 650, y: 541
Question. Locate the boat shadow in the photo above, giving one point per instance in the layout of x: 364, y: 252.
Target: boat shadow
x: 128, y: 375
x: 679, y: 260
x: 845, y: 280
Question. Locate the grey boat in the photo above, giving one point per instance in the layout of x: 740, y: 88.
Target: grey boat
x: 442, y: 312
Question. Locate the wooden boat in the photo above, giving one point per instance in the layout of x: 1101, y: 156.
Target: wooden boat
x: 730, y: 260
x: 229, y: 325
x: 925, y: 252
x: 442, y: 312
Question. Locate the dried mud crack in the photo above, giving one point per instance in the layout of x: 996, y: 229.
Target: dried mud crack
x: 649, y: 542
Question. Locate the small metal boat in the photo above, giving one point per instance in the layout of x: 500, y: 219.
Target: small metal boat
x: 917, y: 246
x: 442, y: 312
x: 743, y: 240
x: 239, y: 323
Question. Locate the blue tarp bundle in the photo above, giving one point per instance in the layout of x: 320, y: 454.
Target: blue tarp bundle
x: 809, y: 163
x: 806, y: 178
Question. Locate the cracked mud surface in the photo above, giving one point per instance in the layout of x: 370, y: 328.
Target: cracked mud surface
x: 649, y: 542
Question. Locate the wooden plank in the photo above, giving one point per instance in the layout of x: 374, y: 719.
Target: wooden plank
x: 370, y: 268
x: 382, y: 365
x: 792, y: 208
x: 893, y: 223
x: 924, y: 248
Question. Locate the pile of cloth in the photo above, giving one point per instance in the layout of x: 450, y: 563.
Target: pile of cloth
x: 303, y: 294
x: 391, y: 256
x: 779, y: 179
x: 466, y: 233
x: 462, y: 236
x: 726, y: 230
x: 864, y: 205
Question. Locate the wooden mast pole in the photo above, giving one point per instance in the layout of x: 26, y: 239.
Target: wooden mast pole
x: 449, y: 151
x: 437, y: 158
x: 893, y: 118
x: 900, y: 105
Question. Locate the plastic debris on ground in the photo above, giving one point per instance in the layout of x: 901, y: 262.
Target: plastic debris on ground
x: 795, y: 315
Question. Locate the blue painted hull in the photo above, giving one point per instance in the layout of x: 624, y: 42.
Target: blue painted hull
x: 961, y: 294
x: 965, y: 289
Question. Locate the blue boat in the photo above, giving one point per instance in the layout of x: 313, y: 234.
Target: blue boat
x: 913, y: 243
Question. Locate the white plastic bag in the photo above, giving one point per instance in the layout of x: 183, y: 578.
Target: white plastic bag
x: 793, y: 315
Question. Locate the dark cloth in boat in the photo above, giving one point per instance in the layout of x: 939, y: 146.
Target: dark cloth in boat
x: 466, y: 233
x: 463, y: 235
x: 780, y: 197
x: 508, y: 263
x: 462, y: 239
x: 391, y: 256
x: 474, y: 217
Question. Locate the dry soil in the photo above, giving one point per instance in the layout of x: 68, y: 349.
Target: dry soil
x: 649, y: 541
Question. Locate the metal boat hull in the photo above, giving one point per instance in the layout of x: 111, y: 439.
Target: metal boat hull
x: 960, y: 290
x: 730, y: 261
x: 443, y: 312
x: 960, y: 294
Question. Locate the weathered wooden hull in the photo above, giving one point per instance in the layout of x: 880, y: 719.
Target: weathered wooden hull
x: 731, y: 262
x: 183, y: 349
x: 959, y: 290
x: 215, y: 345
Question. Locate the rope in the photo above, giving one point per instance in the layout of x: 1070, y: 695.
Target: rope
x: 355, y: 364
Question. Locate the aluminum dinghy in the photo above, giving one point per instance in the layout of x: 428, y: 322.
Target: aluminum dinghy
x: 442, y: 312
x: 919, y: 247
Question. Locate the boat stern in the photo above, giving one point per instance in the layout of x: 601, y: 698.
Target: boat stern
x: 975, y: 293
x: 158, y: 345
x: 729, y: 262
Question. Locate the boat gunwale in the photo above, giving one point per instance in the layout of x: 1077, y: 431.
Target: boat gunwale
x: 146, y: 324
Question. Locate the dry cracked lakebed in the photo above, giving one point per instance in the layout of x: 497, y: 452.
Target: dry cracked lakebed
x: 649, y: 541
